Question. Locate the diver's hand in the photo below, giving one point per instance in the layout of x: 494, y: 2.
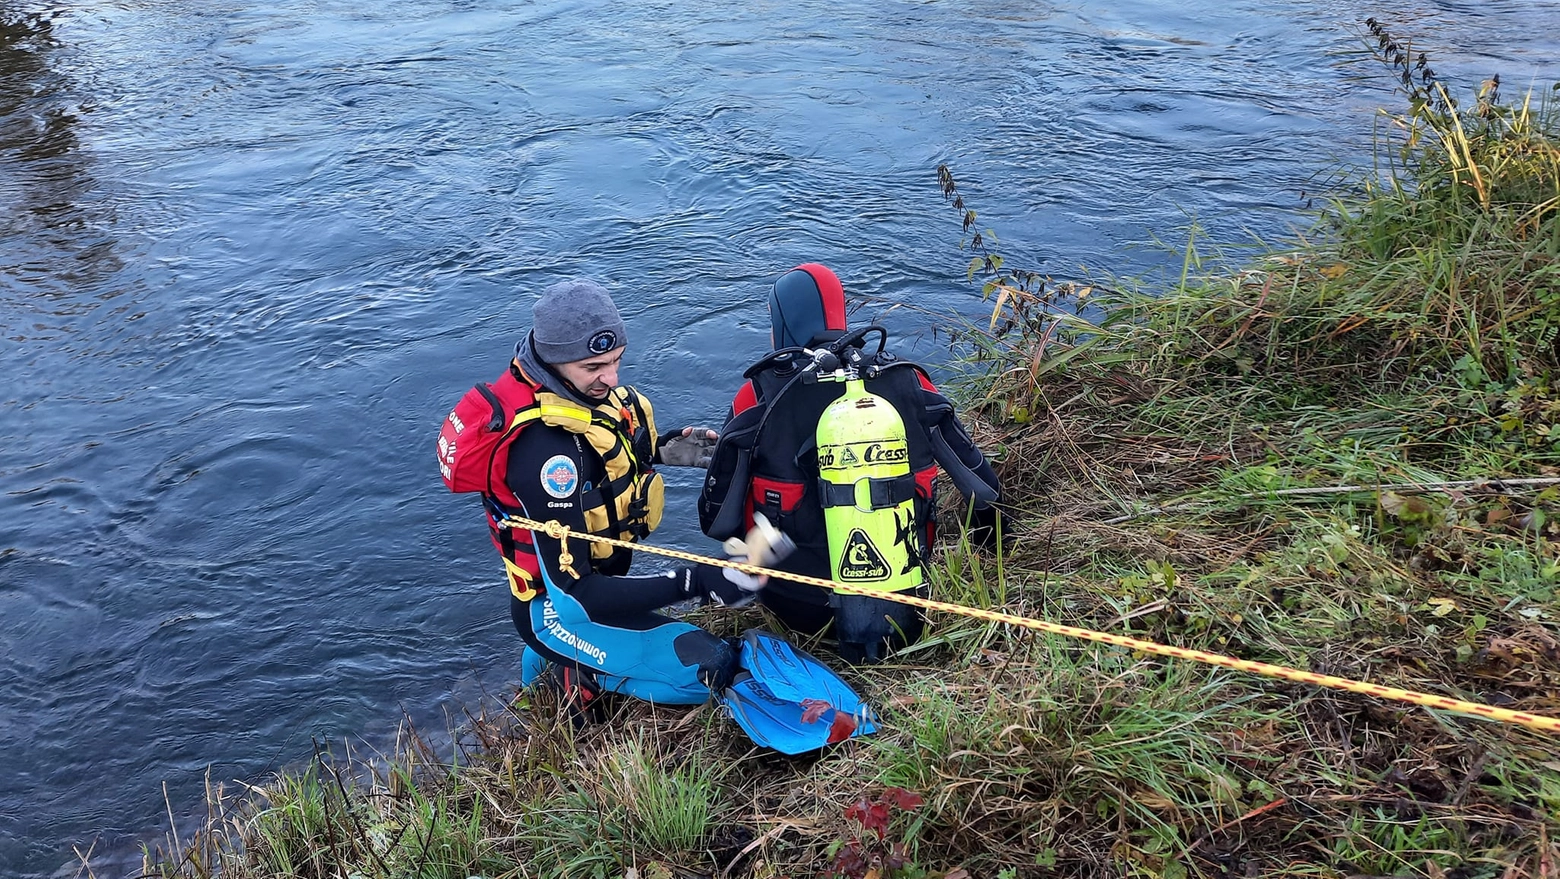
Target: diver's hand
x: 689, y: 447
x: 723, y: 587
x: 764, y: 544
x: 988, y: 528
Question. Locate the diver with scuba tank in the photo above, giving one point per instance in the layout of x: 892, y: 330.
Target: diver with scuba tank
x: 838, y: 443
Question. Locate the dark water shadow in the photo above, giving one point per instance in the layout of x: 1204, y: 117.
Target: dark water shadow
x: 52, y: 242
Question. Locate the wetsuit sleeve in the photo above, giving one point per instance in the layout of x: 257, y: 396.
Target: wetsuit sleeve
x: 722, y: 497
x: 548, y: 471
x: 958, y: 455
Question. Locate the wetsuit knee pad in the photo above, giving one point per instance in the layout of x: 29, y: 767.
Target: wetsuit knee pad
x: 678, y: 664
x: 650, y: 657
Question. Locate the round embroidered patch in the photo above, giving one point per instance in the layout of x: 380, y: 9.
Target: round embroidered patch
x: 560, y: 476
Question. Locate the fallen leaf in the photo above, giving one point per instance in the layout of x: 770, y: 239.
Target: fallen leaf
x: 842, y: 728
x: 1403, y: 505
x: 812, y: 709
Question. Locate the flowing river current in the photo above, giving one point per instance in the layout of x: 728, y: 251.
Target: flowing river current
x: 252, y: 254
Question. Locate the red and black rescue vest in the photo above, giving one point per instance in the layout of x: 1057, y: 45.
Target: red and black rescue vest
x: 473, y: 450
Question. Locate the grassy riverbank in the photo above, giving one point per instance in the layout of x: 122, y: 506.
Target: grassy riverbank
x: 1343, y: 456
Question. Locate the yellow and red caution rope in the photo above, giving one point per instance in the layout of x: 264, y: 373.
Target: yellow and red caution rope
x: 561, y: 532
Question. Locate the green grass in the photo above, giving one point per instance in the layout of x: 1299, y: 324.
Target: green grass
x: 634, y: 802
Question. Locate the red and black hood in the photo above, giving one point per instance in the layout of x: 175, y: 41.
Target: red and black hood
x: 806, y: 307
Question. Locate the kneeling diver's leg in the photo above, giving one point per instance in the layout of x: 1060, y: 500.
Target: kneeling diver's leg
x: 648, y: 656
x: 538, y: 652
x: 799, y: 607
x: 869, y: 628
x: 532, y: 665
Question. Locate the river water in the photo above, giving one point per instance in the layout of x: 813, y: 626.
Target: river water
x: 252, y: 254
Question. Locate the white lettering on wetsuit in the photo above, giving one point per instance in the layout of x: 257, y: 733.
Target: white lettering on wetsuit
x: 571, y: 640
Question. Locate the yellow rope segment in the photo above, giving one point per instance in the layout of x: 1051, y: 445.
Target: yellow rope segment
x: 1428, y: 700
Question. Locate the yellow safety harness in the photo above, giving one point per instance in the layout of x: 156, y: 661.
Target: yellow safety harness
x: 627, y: 505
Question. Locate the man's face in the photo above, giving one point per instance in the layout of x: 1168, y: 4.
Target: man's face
x: 593, y: 377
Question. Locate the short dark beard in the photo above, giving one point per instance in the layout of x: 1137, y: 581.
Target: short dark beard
x: 543, y: 373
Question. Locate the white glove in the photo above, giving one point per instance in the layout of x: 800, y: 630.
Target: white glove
x: 763, y: 546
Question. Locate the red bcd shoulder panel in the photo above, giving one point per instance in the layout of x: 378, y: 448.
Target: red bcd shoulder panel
x: 473, y: 435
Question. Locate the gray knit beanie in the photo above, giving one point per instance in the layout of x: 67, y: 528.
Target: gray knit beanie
x: 575, y: 320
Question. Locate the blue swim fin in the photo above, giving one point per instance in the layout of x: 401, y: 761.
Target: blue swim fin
x: 785, y: 699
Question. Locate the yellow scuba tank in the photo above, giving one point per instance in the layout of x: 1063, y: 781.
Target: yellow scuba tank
x: 867, y: 492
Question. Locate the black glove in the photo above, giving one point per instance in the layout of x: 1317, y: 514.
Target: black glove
x: 689, y: 447
x: 986, y: 524
x: 722, y: 587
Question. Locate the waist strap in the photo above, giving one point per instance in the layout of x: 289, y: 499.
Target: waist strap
x: 882, y: 491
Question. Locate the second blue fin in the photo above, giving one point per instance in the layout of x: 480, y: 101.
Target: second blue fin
x: 785, y: 699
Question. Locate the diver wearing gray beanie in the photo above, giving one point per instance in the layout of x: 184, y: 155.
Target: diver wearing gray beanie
x: 590, y: 468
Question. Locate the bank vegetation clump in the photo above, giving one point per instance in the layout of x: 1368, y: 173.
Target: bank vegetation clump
x: 1342, y: 456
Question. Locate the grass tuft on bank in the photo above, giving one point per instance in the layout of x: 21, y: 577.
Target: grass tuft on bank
x: 1342, y: 456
